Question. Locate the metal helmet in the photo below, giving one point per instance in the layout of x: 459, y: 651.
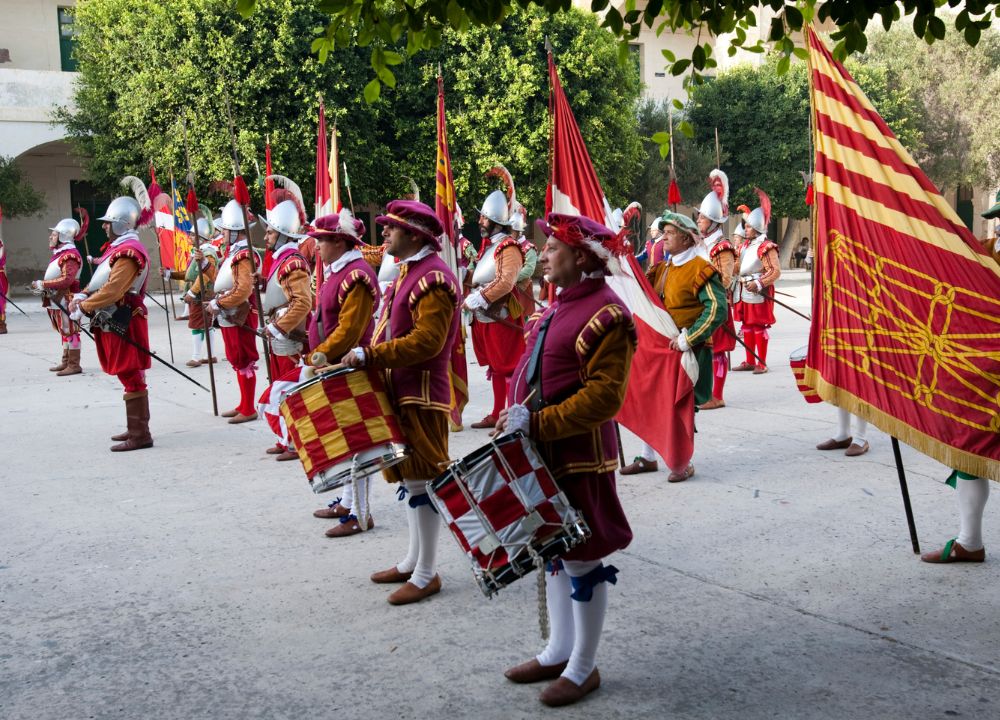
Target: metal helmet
x: 654, y: 227
x: 711, y: 207
x: 757, y: 221
x: 232, y: 217
x: 123, y: 214
x: 209, y: 249
x: 67, y: 230
x: 518, y: 223
x: 739, y: 232
x: 284, y: 217
x: 618, y: 217
x: 204, y: 229
x: 495, y: 208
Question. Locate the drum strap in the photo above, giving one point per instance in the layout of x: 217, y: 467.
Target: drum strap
x: 534, y: 372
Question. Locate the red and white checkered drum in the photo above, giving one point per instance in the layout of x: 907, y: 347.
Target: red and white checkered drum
x: 797, y: 360
x: 342, y: 425
x: 506, y: 511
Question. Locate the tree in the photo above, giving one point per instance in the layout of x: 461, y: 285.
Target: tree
x: 763, y: 121
x: 422, y: 24
x: 956, y: 88
x: 692, y: 161
x: 143, y: 63
x: 17, y: 196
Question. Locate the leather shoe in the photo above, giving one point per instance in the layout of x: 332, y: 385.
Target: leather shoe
x: 193, y: 363
x: 640, y: 465
x: 392, y: 575
x: 276, y: 449
x: 760, y: 370
x: 410, y: 593
x: 952, y: 552
x: 743, y: 366
x: 241, y: 418
x: 566, y: 692
x: 856, y: 449
x: 120, y: 436
x: 208, y: 361
x: 832, y: 444
x: 676, y: 477
x: 533, y: 671
x: 287, y: 455
x: 487, y: 422
x: 346, y: 529
x: 712, y: 404
x: 330, y: 513
x: 229, y: 414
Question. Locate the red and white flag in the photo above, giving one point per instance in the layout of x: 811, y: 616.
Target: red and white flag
x: 659, y: 401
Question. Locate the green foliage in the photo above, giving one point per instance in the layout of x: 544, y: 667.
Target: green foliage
x: 17, y: 196
x: 955, y: 87
x: 421, y: 23
x: 143, y: 63
x: 763, y: 121
x: 692, y: 162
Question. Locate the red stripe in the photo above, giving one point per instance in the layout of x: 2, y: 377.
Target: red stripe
x: 852, y: 138
x: 865, y: 186
x: 822, y: 83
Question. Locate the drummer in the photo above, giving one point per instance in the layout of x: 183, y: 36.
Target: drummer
x: 588, y: 339
x: 348, y: 298
x: 413, y: 342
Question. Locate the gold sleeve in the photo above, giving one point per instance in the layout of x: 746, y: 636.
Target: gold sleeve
x: 299, y: 293
x: 242, y: 285
x: 432, y: 318
x: 509, y: 264
x: 355, y: 314
x: 123, y: 274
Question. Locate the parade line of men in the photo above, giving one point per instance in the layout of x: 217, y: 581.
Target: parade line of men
x: 558, y: 376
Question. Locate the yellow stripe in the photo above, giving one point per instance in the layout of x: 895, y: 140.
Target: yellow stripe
x: 875, y: 211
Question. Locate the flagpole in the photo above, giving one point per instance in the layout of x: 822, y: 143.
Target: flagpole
x: 673, y: 175
x: 170, y: 285
x: 163, y: 284
x: 904, y: 490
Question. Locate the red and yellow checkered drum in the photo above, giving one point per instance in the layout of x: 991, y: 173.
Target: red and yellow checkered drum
x: 342, y: 425
x: 797, y: 360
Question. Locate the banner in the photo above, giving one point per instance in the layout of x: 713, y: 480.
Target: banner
x: 906, y: 320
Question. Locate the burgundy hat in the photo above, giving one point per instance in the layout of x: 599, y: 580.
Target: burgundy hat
x: 415, y: 217
x: 343, y: 225
x: 583, y: 233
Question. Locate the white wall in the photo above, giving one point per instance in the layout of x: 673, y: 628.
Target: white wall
x: 29, y: 29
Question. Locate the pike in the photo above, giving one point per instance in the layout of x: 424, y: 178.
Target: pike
x: 15, y: 305
x: 770, y: 296
x: 129, y: 341
x: 237, y: 180
x: 201, y: 277
x: 740, y: 341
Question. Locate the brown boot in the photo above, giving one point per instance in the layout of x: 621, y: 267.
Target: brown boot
x: 137, y: 412
x: 72, y: 364
x: 3, y: 327
x: 62, y: 365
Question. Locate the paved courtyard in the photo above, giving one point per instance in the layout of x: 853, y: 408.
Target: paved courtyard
x: 190, y: 580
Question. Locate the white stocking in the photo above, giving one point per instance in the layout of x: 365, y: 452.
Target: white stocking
x: 408, y: 563
x: 196, y: 341
x: 647, y: 453
x: 860, y: 431
x: 561, y: 635
x: 428, y: 529
x: 588, y: 621
x: 972, y: 497
x: 843, y: 425
x: 347, y: 500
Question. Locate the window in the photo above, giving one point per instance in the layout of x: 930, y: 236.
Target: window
x: 67, y: 39
x: 635, y: 52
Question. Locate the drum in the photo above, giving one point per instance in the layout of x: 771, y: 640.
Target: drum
x: 506, y: 512
x: 797, y: 360
x: 342, y: 425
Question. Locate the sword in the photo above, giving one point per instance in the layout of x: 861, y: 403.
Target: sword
x: 129, y: 341
x: 15, y: 306
x: 770, y: 296
x: 737, y: 339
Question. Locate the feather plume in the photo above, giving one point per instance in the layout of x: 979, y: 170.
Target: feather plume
x: 240, y: 192
x: 206, y: 212
x: 765, y: 205
x: 191, y: 202
x: 138, y: 189
x: 293, y: 193
x: 719, y: 182
x: 414, y: 190
x: 84, y: 223
x: 504, y: 176
x: 632, y: 220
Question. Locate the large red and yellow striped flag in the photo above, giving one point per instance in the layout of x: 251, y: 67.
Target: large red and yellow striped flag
x: 906, y: 321
x: 444, y: 208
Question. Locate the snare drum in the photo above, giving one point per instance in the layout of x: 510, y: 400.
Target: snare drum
x: 506, y: 512
x: 342, y: 425
x: 798, y: 362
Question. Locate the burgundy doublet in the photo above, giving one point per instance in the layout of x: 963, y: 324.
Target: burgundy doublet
x: 332, y: 295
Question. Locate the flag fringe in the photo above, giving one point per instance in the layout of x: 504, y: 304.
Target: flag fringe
x: 952, y: 457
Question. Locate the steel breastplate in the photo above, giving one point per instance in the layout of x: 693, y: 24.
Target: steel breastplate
x: 224, y: 281
x: 53, y: 271
x: 100, y: 276
x: 274, y: 295
x: 486, y: 267
x: 750, y: 264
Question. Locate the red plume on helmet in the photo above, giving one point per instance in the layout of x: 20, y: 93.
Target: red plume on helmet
x: 240, y: 192
x: 285, y: 189
x: 765, y: 205
x: 154, y: 187
x: 84, y: 222
x: 507, y: 180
